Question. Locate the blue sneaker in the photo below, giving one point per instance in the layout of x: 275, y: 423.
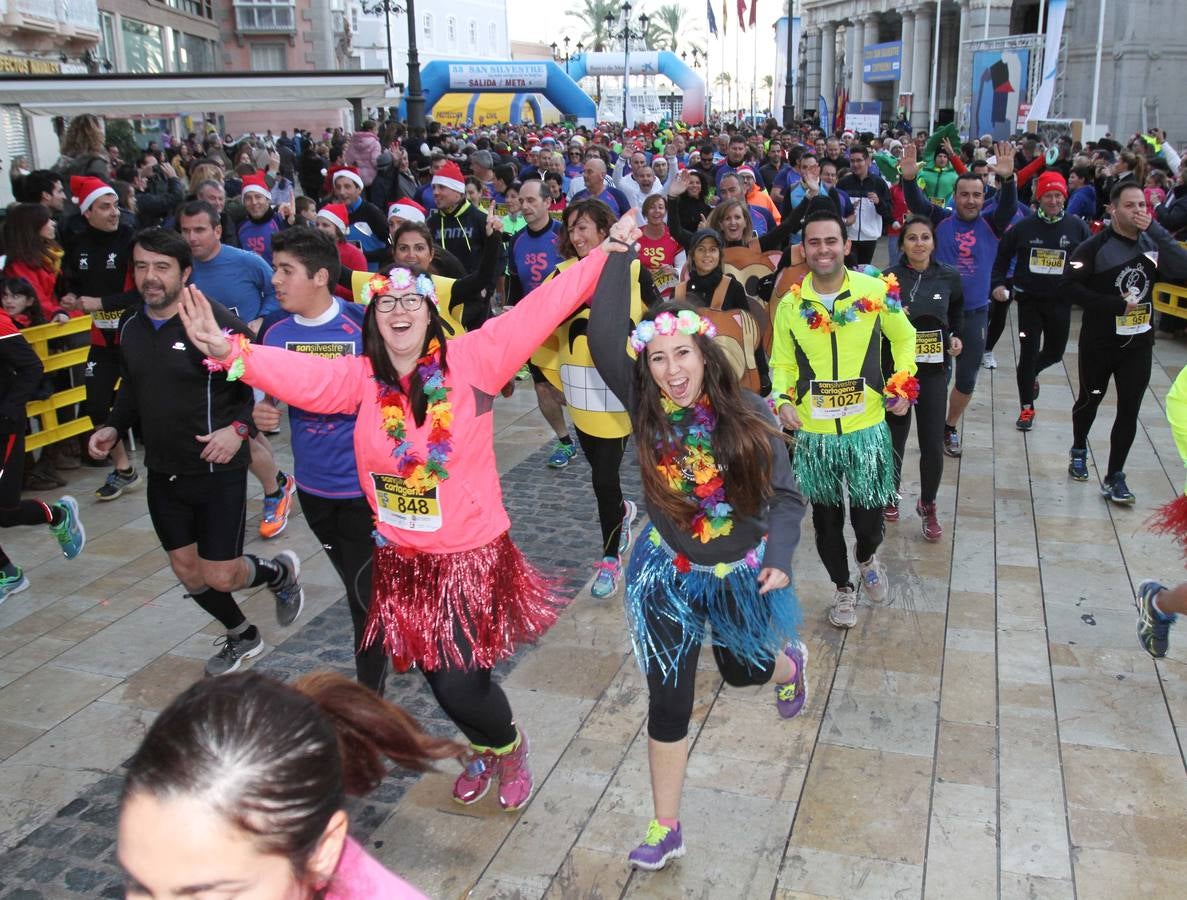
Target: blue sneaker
x: 290, y: 596
x: 562, y: 452
x: 605, y: 582
x: 1077, y: 465
x: 659, y: 845
x: 1153, y: 627
x: 12, y: 583
x: 72, y: 537
x: 1116, y: 490
x: 790, y: 697
x: 624, y: 532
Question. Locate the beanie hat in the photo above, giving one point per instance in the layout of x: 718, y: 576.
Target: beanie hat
x: 450, y: 176
x: 336, y: 215
x: 86, y: 189
x: 349, y: 172
x: 407, y: 209
x: 256, y: 184
x: 1050, y: 181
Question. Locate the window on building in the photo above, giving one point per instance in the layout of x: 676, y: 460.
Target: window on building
x: 144, y: 47
x: 265, y: 15
x: 354, y: 20
x: 268, y: 57
x: 473, y: 35
x: 451, y: 30
x: 200, y: 8
x: 192, y: 53
x: 426, y: 27
x: 107, y: 48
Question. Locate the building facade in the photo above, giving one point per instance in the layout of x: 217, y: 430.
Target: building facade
x: 1144, y: 52
x: 161, y: 36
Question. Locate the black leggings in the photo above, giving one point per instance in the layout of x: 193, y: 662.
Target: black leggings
x: 669, y: 701
x: 1048, y: 318
x: 605, y: 458
x: 13, y: 510
x: 1129, y: 367
x: 344, y: 529
x: 829, y: 522
x: 999, y: 314
x: 475, y: 703
x: 930, y: 411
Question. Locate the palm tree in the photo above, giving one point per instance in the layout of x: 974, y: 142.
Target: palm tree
x: 591, y: 15
x: 667, y: 24
x: 768, y: 82
x: 723, y: 81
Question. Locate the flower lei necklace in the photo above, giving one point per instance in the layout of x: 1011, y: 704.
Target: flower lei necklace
x: 691, y: 470
x: 421, y: 476
x: 820, y: 318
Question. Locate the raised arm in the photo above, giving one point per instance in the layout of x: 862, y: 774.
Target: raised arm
x: 917, y: 202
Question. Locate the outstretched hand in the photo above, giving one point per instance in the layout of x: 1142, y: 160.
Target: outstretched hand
x: 1004, y: 164
x: 909, y: 164
x: 623, y: 234
x: 200, y: 324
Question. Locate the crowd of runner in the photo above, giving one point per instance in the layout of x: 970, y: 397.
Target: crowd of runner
x: 388, y: 288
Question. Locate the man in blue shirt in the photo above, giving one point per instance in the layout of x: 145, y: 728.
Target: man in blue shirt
x: 598, y: 188
x: 314, y: 321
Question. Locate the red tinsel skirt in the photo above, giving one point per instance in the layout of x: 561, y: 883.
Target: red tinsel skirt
x: 1171, y: 519
x: 464, y: 610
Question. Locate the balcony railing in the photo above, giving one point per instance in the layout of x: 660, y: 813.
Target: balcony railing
x: 261, y: 19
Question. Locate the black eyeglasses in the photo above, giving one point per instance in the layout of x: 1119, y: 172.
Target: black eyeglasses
x: 410, y: 302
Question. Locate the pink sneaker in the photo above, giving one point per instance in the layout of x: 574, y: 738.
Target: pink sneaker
x: 515, y: 778
x: 472, y: 785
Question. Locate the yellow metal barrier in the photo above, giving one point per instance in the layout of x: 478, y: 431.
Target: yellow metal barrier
x: 1170, y: 299
x: 46, y: 411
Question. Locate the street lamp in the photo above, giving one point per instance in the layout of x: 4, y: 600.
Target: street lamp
x: 625, y: 36
x: 557, y: 56
x: 414, y: 98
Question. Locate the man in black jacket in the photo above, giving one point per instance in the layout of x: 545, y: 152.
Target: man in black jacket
x: 1111, y: 275
x: 195, y: 423
x: 871, y: 204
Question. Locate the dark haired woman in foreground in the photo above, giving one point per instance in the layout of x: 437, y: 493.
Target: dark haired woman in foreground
x: 239, y: 789
x: 725, y: 514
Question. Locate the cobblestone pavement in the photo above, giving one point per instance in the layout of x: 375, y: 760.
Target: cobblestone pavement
x: 993, y: 732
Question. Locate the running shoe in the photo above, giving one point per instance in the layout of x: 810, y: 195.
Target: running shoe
x: 515, y: 777
x: 1026, y: 419
x: 117, y: 482
x: 1077, y: 465
x: 930, y: 526
x: 1153, y: 627
x: 290, y: 596
x: 1117, y: 490
x: 72, y: 537
x: 233, y: 650
x: 277, y: 508
x: 562, y: 452
x: 477, y: 771
x: 659, y: 845
x: 790, y: 697
x: 12, y: 583
x: 606, y: 575
x: 952, y: 442
x: 873, y: 579
x: 988, y: 360
x: 891, y: 513
x: 843, y: 612
x: 624, y: 531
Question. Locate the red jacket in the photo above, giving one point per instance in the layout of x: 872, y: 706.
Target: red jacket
x: 44, y: 281
x: 351, y: 258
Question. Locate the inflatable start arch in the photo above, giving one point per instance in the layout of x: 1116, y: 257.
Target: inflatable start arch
x: 649, y: 62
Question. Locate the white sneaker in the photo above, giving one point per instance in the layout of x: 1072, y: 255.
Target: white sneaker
x: 873, y: 579
x: 988, y: 360
x: 843, y: 613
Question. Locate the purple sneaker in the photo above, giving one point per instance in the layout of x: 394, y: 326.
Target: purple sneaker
x: 660, y: 845
x: 790, y: 697
x: 477, y: 772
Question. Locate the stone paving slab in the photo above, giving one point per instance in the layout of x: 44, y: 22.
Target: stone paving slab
x: 995, y: 731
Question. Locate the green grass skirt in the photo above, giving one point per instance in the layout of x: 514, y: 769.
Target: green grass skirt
x: 863, y: 460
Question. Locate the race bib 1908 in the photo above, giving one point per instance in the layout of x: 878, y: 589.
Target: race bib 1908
x: 837, y: 399
x: 1047, y: 262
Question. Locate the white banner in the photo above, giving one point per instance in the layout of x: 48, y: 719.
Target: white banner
x: 497, y: 76
x: 643, y: 62
x: 1042, y: 100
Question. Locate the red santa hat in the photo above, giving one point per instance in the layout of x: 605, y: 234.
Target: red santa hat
x: 350, y: 172
x: 256, y: 184
x: 408, y: 210
x: 450, y: 176
x: 86, y: 189
x: 335, y: 214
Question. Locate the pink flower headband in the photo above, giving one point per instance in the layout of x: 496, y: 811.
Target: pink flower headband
x: 684, y: 322
x: 396, y: 282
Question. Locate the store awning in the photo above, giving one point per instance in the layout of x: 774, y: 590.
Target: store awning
x: 169, y: 94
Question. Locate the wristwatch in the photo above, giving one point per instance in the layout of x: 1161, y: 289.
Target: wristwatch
x: 242, y: 430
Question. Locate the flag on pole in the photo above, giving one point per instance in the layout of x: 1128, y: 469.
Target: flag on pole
x: 753, y: 13
x: 742, y: 15
x: 822, y: 111
x: 725, y: 18
x: 712, y: 18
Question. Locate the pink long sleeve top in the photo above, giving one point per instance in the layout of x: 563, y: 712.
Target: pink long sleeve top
x: 468, y: 510
x: 359, y: 877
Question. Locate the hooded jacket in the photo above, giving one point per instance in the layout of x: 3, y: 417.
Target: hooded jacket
x: 363, y: 153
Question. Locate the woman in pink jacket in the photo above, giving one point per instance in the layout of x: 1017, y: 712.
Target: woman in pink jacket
x: 451, y: 591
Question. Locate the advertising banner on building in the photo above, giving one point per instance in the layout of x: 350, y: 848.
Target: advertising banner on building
x: 863, y: 115
x: 1000, y: 85
x: 1041, y: 107
x: 882, y: 62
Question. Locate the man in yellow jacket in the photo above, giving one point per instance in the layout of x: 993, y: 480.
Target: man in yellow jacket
x: 829, y: 388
